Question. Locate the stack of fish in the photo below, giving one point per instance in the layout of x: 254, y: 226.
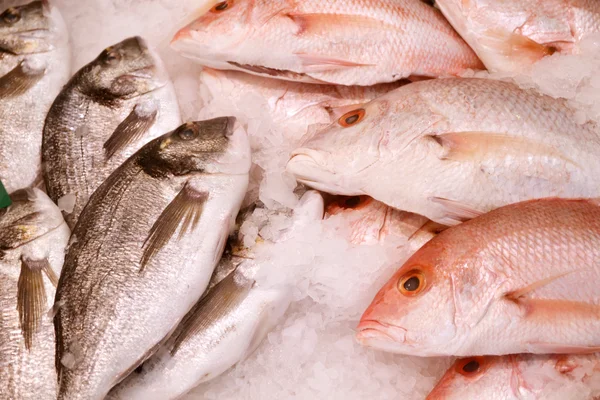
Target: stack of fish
x: 494, y: 187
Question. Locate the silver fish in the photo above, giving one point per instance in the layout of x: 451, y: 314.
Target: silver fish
x: 223, y: 328
x: 34, y: 65
x: 144, y: 250
x: 108, y: 110
x: 33, y: 236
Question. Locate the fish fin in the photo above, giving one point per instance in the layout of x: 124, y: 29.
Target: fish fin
x: 19, y: 80
x: 475, y: 146
x: 276, y: 73
x: 321, y: 24
x: 512, y: 44
x: 31, y: 298
x: 318, y: 63
x: 215, y: 305
x: 558, y: 348
x: 20, y: 232
x: 516, y: 294
x: 47, y: 268
x: 138, y: 122
x: 426, y: 232
x: 185, y: 210
x: 455, y: 211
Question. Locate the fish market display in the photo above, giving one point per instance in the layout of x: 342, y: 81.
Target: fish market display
x: 224, y: 327
x: 520, y: 279
x: 521, y: 376
x: 108, y: 110
x: 344, y: 42
x: 34, y: 64
x: 33, y: 236
x: 511, y: 34
x: 144, y: 250
x: 451, y: 149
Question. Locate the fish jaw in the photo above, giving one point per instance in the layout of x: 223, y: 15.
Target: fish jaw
x: 309, y: 168
x: 381, y: 336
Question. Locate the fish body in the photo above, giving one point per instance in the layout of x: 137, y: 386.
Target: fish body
x: 33, y: 237
x: 223, y: 328
x: 372, y: 222
x: 521, y: 377
x: 519, y: 279
x: 509, y: 35
x: 108, y: 110
x: 342, y: 42
x: 451, y: 149
x: 144, y: 250
x: 290, y: 106
x: 34, y: 65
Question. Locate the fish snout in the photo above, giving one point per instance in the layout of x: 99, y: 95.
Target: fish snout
x: 371, y: 329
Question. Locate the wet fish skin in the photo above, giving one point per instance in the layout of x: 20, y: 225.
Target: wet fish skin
x: 223, y: 328
x: 510, y: 35
x: 34, y: 65
x: 451, y: 149
x: 32, y: 234
x: 355, y: 42
x: 144, y: 250
x: 108, y: 110
x: 502, y: 283
x: 521, y: 376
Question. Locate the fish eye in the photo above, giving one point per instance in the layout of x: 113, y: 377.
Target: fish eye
x: 354, y: 201
x: 411, y: 283
x: 222, y: 6
x: 470, y: 366
x: 11, y: 16
x: 187, y: 134
x: 111, y: 57
x: 352, y: 118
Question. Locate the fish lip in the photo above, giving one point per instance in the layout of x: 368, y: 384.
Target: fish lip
x: 371, y: 329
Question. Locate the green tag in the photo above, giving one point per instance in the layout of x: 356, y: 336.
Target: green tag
x: 5, y: 201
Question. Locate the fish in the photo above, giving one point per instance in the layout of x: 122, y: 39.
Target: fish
x: 34, y: 65
x: 33, y: 237
x: 223, y: 328
x: 343, y: 42
x: 452, y: 149
x: 372, y: 222
x: 519, y: 279
x: 144, y: 250
x: 521, y: 376
x: 106, y: 112
x: 291, y: 107
x: 509, y: 36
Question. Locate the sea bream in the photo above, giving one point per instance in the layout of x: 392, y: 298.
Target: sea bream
x: 451, y: 149
x: 144, y: 250
x: 33, y: 237
x: 521, y: 377
x: 108, y: 110
x: 223, y: 328
x: 344, y: 42
x: 509, y: 35
x: 34, y: 65
x: 519, y: 279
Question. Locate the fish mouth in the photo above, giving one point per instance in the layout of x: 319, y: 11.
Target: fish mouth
x: 382, y: 336
x: 308, y: 167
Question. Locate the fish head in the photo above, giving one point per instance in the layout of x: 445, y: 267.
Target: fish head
x: 125, y: 70
x: 31, y: 215
x: 215, y: 146
x: 213, y: 37
x: 339, y: 158
x: 26, y: 29
x: 414, y: 311
x: 487, y: 377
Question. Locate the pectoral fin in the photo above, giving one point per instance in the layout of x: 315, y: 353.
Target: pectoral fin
x: 138, y: 122
x: 215, y: 305
x: 455, y: 212
x: 557, y: 348
x: 185, y: 210
x: 512, y: 44
x: 321, y: 63
x: 31, y: 297
x: 477, y: 146
x: 19, y: 80
x: 276, y: 73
